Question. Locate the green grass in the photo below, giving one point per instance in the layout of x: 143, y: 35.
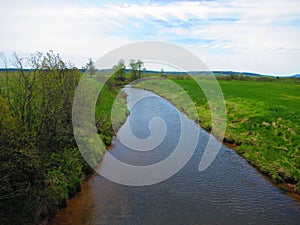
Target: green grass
x: 110, y: 112
x: 110, y: 109
x: 285, y: 94
x: 262, y: 120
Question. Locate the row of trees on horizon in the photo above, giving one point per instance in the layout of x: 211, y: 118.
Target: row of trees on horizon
x: 135, y: 67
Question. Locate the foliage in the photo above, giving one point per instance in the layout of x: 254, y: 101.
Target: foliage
x: 90, y: 67
x: 40, y: 164
x: 136, y: 68
x: 120, y: 70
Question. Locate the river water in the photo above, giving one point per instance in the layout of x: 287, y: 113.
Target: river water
x: 228, y: 192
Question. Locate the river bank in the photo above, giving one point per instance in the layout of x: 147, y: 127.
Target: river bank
x: 109, y: 97
x: 264, y: 134
x: 240, y: 195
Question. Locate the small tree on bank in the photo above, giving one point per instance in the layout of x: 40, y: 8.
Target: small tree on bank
x: 135, y: 67
x: 119, y: 69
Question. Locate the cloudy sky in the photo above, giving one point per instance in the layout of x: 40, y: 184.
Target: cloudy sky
x: 240, y: 35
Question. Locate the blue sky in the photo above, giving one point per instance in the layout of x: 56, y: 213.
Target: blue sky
x: 241, y: 35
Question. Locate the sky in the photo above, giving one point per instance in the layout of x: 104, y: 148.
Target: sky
x: 237, y: 35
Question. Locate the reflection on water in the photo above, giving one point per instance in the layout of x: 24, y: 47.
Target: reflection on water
x: 228, y: 192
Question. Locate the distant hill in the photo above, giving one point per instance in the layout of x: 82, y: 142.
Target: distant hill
x: 293, y: 76
x: 180, y: 73
x: 203, y: 73
x: 296, y: 76
x: 222, y: 73
x: 218, y: 73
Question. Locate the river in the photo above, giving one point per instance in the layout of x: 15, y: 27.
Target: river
x: 229, y: 191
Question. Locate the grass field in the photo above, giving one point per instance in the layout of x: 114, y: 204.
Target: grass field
x: 262, y: 121
x: 286, y: 94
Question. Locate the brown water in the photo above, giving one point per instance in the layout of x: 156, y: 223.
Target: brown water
x: 228, y: 192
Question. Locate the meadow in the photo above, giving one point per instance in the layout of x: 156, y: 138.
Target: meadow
x: 262, y: 120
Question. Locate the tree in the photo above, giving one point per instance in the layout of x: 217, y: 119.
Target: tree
x: 40, y: 165
x: 90, y: 67
x: 162, y: 73
x: 135, y: 68
x: 120, y: 69
x: 139, y: 66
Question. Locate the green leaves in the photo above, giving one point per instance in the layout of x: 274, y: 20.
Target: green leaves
x: 40, y: 164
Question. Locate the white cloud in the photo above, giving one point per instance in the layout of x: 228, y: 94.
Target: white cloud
x: 250, y: 34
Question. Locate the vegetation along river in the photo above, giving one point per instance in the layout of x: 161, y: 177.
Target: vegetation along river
x: 228, y: 192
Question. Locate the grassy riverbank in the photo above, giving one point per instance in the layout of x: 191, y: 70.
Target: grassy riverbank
x: 262, y: 121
